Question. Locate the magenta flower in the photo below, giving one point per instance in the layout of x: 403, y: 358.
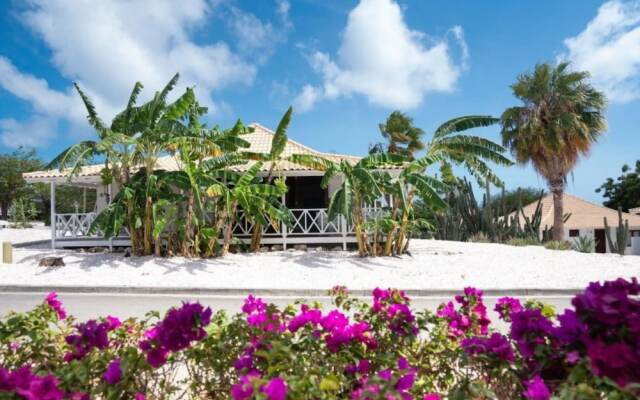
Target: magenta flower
x: 470, y: 318
x: 140, y: 396
x: 53, y: 302
x: 275, y: 389
x: 243, y: 390
x: 113, y: 373
x: 90, y: 335
x: 431, y: 396
x: 29, y: 386
x: 535, y: 389
x: 496, y: 345
x: 530, y: 329
x: 114, y: 322
x: 505, y: 306
x: 179, y: 328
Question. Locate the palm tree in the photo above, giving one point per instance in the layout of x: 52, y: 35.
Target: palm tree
x: 561, y: 117
x: 403, y: 138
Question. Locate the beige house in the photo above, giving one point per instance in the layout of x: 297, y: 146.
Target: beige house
x: 587, y: 219
x: 307, y: 200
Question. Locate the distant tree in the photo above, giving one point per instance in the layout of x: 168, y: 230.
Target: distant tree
x: 519, y: 196
x: 12, y: 185
x: 402, y: 137
x: 560, y: 118
x: 623, y: 192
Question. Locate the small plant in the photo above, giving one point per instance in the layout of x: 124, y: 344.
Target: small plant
x: 479, y: 237
x: 557, y: 245
x: 527, y: 241
x: 584, y: 244
x: 22, y: 212
x: 622, y: 235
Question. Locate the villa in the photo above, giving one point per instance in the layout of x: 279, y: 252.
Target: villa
x: 587, y: 219
x: 306, y: 199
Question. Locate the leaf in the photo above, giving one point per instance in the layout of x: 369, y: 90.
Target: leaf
x: 279, y: 141
x: 330, y: 383
x: 464, y: 123
x: 92, y: 115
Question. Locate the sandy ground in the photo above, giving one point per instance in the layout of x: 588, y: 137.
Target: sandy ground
x: 431, y: 265
x: 17, y: 236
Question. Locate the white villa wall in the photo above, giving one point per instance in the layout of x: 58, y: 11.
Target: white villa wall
x: 634, y: 249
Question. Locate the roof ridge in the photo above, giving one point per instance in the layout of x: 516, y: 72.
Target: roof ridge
x: 295, y: 142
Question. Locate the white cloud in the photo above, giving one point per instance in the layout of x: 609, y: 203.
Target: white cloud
x: 609, y: 48
x: 381, y: 58
x: 106, y: 46
x: 31, y: 133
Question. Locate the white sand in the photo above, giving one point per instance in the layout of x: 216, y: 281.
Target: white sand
x: 432, y: 265
x: 36, y: 233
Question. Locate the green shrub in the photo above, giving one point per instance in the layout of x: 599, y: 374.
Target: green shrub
x: 530, y: 241
x: 584, y: 244
x: 557, y: 245
x: 479, y: 237
x: 22, y: 212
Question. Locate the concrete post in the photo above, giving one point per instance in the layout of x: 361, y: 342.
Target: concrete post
x: 7, y: 253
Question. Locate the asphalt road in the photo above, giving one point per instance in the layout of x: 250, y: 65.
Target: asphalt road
x: 91, y: 305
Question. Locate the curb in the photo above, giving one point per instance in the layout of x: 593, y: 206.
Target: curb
x: 141, y: 290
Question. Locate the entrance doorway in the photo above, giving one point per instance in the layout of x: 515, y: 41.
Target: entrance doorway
x: 305, y: 192
x: 601, y: 241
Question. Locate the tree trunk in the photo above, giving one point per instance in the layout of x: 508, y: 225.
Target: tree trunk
x: 187, y: 245
x: 557, y: 188
x: 256, y: 237
x: 148, y: 226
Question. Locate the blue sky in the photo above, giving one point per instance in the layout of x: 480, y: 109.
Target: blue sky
x: 344, y: 65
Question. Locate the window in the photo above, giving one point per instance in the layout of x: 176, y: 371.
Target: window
x: 574, y: 232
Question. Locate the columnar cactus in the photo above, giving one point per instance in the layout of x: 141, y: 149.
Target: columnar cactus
x: 622, y: 234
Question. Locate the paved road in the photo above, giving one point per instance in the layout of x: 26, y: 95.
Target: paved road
x: 90, y: 305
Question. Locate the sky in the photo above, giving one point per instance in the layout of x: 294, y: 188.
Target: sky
x: 344, y: 65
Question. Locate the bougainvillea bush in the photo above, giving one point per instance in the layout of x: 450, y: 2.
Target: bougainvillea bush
x: 375, y: 349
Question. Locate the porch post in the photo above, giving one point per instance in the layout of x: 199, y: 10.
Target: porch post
x: 283, y: 227
x: 343, y: 223
x: 53, y: 215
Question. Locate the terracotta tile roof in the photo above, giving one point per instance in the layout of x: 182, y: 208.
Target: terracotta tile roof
x: 584, y: 214
x: 260, y: 140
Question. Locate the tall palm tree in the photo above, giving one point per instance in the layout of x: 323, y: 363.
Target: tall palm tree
x: 403, y: 138
x: 561, y: 117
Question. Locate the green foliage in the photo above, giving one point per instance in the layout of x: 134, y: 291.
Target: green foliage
x: 560, y: 118
x: 624, y: 191
x: 584, y: 244
x: 558, y: 245
x: 525, y: 241
x: 465, y: 217
x: 402, y: 137
x: 22, y: 212
x: 479, y: 237
x: 12, y: 185
x: 622, y: 235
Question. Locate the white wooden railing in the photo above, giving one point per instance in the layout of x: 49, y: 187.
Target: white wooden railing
x: 74, y: 225
x: 306, y: 222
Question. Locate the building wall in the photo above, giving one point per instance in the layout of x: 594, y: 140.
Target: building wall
x: 634, y: 249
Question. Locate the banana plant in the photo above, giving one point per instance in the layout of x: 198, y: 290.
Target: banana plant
x: 256, y: 199
x: 362, y: 184
x: 278, y: 144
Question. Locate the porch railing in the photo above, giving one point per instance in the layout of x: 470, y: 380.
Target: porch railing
x: 74, y: 225
x: 306, y: 222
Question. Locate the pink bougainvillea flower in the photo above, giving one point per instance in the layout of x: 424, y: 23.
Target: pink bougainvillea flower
x: 431, y: 396
x: 113, y: 374
x: 535, y: 389
x: 275, y: 389
x: 53, y: 302
x: 140, y: 396
x: 114, y: 322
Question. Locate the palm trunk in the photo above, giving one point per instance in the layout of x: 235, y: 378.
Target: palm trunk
x: 557, y: 188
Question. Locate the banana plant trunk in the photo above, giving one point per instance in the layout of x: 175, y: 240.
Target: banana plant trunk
x: 256, y: 237
x: 148, y: 226
x: 187, y: 245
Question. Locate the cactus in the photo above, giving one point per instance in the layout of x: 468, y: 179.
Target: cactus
x: 622, y: 234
